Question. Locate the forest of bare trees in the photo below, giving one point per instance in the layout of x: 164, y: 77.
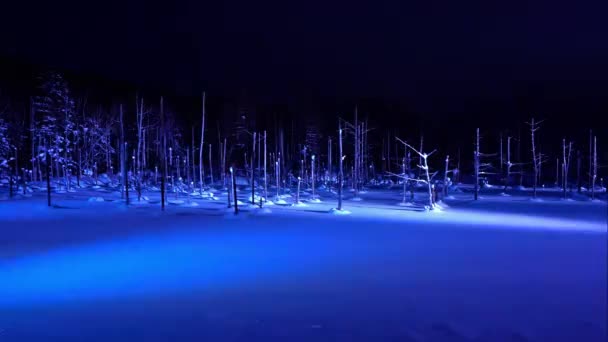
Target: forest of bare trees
x: 60, y: 137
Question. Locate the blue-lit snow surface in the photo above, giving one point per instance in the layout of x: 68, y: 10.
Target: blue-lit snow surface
x: 496, y: 270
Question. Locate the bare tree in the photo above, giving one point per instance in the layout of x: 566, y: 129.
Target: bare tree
x: 424, y: 166
x: 578, y: 171
x: 341, y: 174
x: 476, y: 164
x: 201, y: 170
x: 536, y: 157
x: 265, y: 173
x: 594, y: 177
x: 210, y: 166
x: 253, y: 169
x: 566, y: 164
x: 312, y: 166
x: 445, y: 175
x: 163, y: 158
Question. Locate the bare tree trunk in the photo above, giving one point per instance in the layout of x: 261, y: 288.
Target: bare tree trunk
x: 557, y: 169
x: 578, y: 171
x: 405, y: 179
x: 508, y: 177
x: 566, y: 164
x: 356, y: 157
x: 265, y: 173
x: 193, y: 158
x: 428, y: 181
x: 445, y: 176
x: 253, y: 169
x: 201, y: 170
x: 236, y: 202
x: 594, y: 168
x: 210, y: 166
x: 476, y: 164
x: 341, y: 174
x: 33, y: 138
x: 188, y: 170
x: 123, y: 152
x: 501, y: 159
x: 276, y: 173
x: 224, y: 161
x: 48, y: 177
x: 298, y: 193
x: 388, y: 152
x: 163, y: 157
x: 312, y: 166
x: 421, y: 149
x: 590, y: 157
x: 329, y: 162
x: 535, y: 157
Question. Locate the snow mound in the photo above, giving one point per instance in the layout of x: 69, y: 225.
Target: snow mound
x: 96, y: 199
x: 314, y: 200
x: 300, y: 204
x: 405, y: 204
x: 356, y: 199
x: 280, y: 202
x: 504, y: 194
x: 261, y: 211
x: 176, y: 202
x: 441, y: 205
x: 335, y: 211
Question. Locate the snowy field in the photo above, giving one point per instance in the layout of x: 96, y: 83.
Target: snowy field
x: 504, y: 268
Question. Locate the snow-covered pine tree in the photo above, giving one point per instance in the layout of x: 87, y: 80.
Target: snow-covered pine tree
x: 57, y: 127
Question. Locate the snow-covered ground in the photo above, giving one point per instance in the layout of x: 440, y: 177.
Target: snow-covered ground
x: 504, y: 268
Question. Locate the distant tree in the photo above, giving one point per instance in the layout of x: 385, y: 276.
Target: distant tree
x: 5, y: 144
x: 567, y: 151
x: 536, y: 156
x: 57, y: 128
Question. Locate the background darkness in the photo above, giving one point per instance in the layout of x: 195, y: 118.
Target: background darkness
x: 440, y: 68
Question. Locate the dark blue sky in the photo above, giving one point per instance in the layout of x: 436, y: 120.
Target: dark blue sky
x: 388, y: 48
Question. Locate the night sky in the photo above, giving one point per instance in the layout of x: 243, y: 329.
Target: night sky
x: 442, y: 60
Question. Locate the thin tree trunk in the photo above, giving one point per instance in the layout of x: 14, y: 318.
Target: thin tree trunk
x: 445, y: 176
x: 48, y: 177
x: 341, y: 175
x: 201, y: 150
x: 508, y: 177
x: 578, y: 171
x: 236, y: 202
x: 163, y: 159
x: 312, y: 172
x: 252, y: 169
x: 33, y: 138
x: 590, y: 157
x: 224, y: 161
x: 298, y: 193
x: 210, y: 166
x: 265, y: 173
x: 123, y: 152
x: 534, y: 157
x: 476, y: 160
x: 594, y: 168
x: 405, y: 179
